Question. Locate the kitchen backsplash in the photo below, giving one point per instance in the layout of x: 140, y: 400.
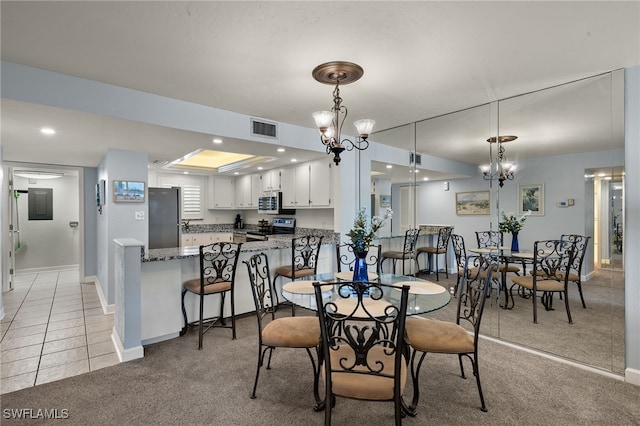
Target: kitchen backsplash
x: 329, y: 235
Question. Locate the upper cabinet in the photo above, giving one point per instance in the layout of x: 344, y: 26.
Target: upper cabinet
x: 307, y: 185
x: 191, y: 191
x: 248, y: 189
x: 221, y: 192
x: 270, y: 181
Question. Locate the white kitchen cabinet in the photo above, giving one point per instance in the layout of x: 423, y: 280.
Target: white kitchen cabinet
x: 307, y: 185
x: 320, y: 183
x: 248, y: 188
x: 221, y: 192
x: 270, y: 181
x: 191, y: 191
x: 205, y: 238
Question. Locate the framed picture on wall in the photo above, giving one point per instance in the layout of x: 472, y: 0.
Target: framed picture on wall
x: 531, y: 198
x: 476, y: 202
x: 125, y: 191
x: 385, y: 201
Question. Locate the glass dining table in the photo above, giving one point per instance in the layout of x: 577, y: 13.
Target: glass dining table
x: 424, y: 296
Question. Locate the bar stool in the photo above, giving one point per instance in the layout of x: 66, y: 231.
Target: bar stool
x: 218, y: 263
x: 444, y: 234
x: 408, y: 251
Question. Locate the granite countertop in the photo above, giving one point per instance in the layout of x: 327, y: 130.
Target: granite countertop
x: 275, y: 242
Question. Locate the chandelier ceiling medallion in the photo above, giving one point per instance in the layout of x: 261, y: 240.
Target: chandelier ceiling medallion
x: 329, y: 123
x: 505, y: 170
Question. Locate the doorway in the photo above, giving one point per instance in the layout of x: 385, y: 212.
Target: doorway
x: 44, y: 219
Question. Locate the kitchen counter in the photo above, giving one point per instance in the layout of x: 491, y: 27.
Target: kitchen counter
x: 275, y: 242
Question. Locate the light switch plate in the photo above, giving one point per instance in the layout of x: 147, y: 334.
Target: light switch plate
x: 140, y: 215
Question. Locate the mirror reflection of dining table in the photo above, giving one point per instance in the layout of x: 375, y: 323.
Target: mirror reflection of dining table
x: 506, y: 256
x: 424, y: 296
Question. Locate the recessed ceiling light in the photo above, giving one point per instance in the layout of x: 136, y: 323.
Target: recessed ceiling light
x: 389, y: 166
x: 280, y: 150
x: 217, y: 141
x: 236, y: 173
x: 260, y: 168
x: 47, y: 131
x: 589, y: 176
x: 607, y: 178
x: 186, y: 173
x: 602, y: 174
x: 293, y: 160
x: 425, y: 178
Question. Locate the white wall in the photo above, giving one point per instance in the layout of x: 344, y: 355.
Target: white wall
x: 49, y: 243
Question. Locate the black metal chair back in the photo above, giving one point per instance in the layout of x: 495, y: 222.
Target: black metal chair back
x: 346, y: 258
x: 363, y: 335
x: 305, y: 251
x: 444, y: 234
x: 474, y: 290
x: 410, y: 241
x: 489, y: 239
x: 581, y: 243
x: 261, y: 287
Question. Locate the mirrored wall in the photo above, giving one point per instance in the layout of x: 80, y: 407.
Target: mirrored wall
x: 568, y: 157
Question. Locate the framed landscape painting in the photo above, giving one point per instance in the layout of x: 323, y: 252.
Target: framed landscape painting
x: 477, y: 202
x: 531, y: 197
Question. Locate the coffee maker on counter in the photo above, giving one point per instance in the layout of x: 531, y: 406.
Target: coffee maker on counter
x: 239, y: 223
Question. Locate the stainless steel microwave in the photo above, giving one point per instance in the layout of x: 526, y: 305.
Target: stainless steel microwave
x: 271, y: 203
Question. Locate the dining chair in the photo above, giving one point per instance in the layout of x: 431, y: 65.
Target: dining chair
x: 285, y: 332
x: 218, y: 263
x: 441, y: 246
x: 304, y: 260
x: 363, y: 344
x: 575, y: 272
x: 408, y: 251
x: 346, y: 258
x: 552, y: 261
x: 460, y: 253
x: 496, y: 239
x: 444, y: 337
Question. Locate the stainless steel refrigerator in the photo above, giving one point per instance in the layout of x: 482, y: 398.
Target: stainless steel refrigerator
x: 164, y: 217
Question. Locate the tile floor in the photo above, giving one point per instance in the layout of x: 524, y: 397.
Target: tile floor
x: 53, y: 328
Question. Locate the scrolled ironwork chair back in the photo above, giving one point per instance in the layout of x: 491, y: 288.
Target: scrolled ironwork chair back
x: 357, y: 329
x: 552, y: 259
x: 459, y: 250
x: 346, y: 257
x: 474, y: 290
x: 218, y: 262
x: 444, y: 234
x: 261, y: 285
x: 489, y: 239
x: 305, y: 251
x: 410, y: 240
x: 580, y: 248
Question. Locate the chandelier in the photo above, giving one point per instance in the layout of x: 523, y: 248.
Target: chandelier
x: 505, y: 169
x: 329, y: 123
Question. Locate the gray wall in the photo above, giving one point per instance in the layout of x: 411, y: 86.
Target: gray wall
x: 118, y: 219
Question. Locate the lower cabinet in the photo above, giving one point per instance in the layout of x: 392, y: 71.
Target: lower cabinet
x: 203, y: 239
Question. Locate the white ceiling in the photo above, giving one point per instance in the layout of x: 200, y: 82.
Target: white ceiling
x: 421, y: 59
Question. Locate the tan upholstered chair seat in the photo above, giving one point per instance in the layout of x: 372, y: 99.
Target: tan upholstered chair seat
x: 541, y: 285
x: 365, y: 386
x: 510, y: 268
x: 397, y: 255
x: 438, y: 336
x: 285, y: 271
x: 292, y: 332
x: 431, y: 250
x: 194, y: 286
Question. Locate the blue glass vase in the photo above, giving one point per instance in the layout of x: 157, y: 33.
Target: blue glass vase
x: 360, y: 273
x: 514, y: 242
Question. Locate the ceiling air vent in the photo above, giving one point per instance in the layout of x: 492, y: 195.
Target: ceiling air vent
x: 415, y: 157
x: 263, y: 128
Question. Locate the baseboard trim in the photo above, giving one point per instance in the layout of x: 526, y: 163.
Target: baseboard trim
x: 561, y: 360
x: 46, y: 269
x: 632, y: 376
x: 106, y: 308
x: 125, y: 355
x: 162, y: 338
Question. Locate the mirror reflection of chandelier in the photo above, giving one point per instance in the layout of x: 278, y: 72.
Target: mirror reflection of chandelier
x: 505, y: 170
x: 329, y: 123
